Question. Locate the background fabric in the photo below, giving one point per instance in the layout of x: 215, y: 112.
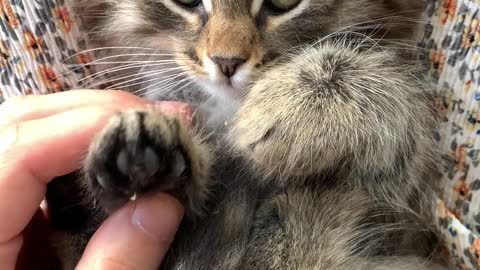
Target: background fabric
x: 452, y: 53
x: 40, y: 53
x: 39, y: 45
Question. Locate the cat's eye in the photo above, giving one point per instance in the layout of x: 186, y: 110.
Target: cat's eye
x: 281, y: 6
x: 189, y: 3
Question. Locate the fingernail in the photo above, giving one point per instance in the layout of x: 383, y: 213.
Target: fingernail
x: 183, y: 110
x: 158, y: 216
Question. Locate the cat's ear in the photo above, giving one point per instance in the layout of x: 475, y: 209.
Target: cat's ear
x: 92, y: 13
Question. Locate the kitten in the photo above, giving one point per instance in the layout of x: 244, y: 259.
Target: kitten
x: 326, y: 161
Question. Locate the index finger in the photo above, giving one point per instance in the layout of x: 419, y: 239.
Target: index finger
x: 25, y: 108
x: 33, y: 153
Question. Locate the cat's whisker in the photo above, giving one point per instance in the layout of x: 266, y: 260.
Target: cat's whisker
x: 143, y: 79
x: 127, y: 65
x: 172, y: 85
x: 189, y: 82
x: 367, y: 25
x: 108, y: 48
x: 400, y: 19
x: 122, y: 67
x: 129, y: 62
x: 93, y: 76
x: 405, y: 45
x: 137, y: 76
x: 90, y: 78
x: 397, y: 15
x: 122, y: 62
x: 121, y: 83
x: 102, y: 61
x: 168, y: 87
x: 173, y: 78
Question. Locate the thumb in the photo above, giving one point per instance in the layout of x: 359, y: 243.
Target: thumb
x: 136, y: 237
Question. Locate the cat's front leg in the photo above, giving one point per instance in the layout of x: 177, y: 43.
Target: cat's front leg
x: 141, y: 152
x: 137, y: 153
x: 333, y: 106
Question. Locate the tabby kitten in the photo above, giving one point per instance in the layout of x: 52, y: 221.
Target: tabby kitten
x: 326, y: 157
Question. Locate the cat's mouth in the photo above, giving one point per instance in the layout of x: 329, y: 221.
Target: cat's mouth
x: 229, y: 73
x: 227, y: 76
x: 233, y: 74
x: 223, y: 88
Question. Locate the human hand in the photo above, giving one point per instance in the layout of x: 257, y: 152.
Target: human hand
x: 42, y: 137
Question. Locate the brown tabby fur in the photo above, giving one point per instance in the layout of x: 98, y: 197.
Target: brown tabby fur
x: 327, y: 158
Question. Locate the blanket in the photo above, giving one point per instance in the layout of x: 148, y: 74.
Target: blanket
x: 39, y: 48
x: 451, y: 52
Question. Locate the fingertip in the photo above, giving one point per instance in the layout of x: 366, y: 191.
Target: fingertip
x: 135, y: 237
x: 182, y: 110
x: 158, y: 216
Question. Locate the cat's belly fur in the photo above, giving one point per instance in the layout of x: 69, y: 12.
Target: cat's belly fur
x: 217, y: 241
x: 324, y: 226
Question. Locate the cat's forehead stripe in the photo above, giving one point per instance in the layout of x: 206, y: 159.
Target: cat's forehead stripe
x: 255, y: 7
x: 232, y: 7
x: 178, y: 10
x: 278, y: 20
x: 208, y: 5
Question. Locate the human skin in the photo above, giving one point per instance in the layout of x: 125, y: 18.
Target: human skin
x: 43, y: 137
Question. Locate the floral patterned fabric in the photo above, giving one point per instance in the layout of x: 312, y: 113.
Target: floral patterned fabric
x: 452, y: 51
x: 39, y: 54
x: 39, y: 43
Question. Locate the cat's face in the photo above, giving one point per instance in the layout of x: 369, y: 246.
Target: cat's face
x: 225, y: 44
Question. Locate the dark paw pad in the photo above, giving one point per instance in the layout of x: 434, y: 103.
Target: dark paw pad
x: 136, y: 154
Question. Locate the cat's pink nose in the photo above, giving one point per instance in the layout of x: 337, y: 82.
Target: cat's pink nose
x: 228, y: 65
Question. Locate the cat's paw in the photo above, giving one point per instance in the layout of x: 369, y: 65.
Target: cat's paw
x: 331, y: 107
x: 141, y: 152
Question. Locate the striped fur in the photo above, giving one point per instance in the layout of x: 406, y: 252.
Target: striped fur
x: 318, y: 148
